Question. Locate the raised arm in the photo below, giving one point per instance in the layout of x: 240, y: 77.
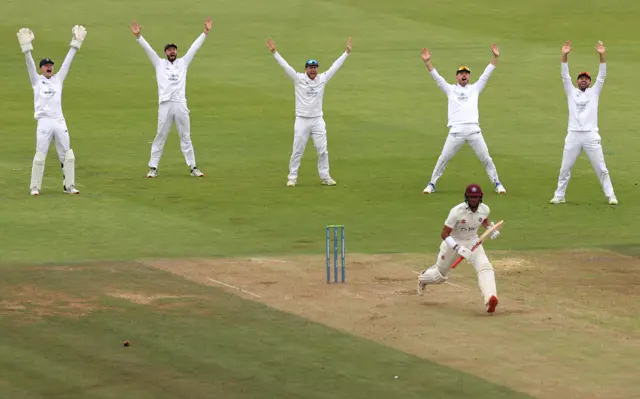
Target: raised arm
x: 484, y: 78
x: 287, y: 68
x: 79, y: 33
x: 66, y: 64
x: 564, y: 70
x: 188, y: 57
x: 137, y: 32
x: 25, y: 37
x: 440, y: 81
x: 602, y: 70
x: 31, y: 68
x: 338, y: 63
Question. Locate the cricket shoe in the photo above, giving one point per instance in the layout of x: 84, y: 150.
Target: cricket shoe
x: 431, y: 188
x: 34, y: 191
x: 500, y: 188
x: 291, y: 183
x: 70, y: 190
x: 195, y: 172
x: 613, y: 200
x: 153, y: 172
x: 491, y: 305
x: 329, y: 182
x: 557, y: 200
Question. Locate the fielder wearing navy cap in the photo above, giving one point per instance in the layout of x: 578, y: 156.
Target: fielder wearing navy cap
x: 311, y: 63
x: 46, y: 61
x: 169, y: 46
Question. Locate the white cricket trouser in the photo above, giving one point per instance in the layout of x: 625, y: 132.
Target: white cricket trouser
x: 317, y: 129
x: 574, y: 143
x: 52, y: 129
x: 168, y: 113
x: 455, y: 140
x: 438, y: 273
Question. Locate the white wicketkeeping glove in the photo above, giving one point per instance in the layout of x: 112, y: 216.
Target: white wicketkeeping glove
x: 463, y: 251
x: 79, y: 33
x: 25, y: 37
x: 495, y: 234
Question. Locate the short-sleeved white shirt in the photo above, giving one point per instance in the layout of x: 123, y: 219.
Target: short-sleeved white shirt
x: 465, y: 223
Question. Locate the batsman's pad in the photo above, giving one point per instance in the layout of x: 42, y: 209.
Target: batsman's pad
x: 25, y: 37
x: 69, y: 168
x: 486, y: 281
x: 432, y: 276
x: 79, y: 33
x: 37, y: 170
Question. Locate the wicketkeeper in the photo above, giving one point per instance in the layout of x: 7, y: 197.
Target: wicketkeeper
x: 47, y: 99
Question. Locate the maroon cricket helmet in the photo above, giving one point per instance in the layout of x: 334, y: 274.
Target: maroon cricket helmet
x: 473, y: 190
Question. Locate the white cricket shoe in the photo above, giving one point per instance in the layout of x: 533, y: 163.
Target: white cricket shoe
x: 613, y: 200
x: 71, y: 190
x: 557, y: 200
x: 500, y: 188
x: 34, y: 191
x: 153, y: 172
x: 291, y: 183
x: 429, y: 189
x: 491, y: 305
x: 196, y: 172
x: 329, y: 182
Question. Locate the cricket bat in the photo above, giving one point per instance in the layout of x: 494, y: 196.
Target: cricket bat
x: 483, y: 237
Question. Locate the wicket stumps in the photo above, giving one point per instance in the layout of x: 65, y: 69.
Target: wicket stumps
x: 335, y: 228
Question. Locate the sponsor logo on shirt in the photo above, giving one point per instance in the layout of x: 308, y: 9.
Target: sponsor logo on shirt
x: 581, y: 105
x: 461, y: 96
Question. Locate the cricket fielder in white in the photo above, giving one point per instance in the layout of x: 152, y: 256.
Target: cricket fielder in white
x: 463, y: 119
x: 583, y: 132
x: 459, y: 234
x: 47, y: 101
x: 309, y: 91
x: 171, y: 75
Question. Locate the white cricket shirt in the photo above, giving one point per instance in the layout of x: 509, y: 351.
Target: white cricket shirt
x: 583, y: 105
x: 47, y: 93
x: 309, y: 92
x: 465, y: 223
x: 463, y: 100
x: 172, y: 76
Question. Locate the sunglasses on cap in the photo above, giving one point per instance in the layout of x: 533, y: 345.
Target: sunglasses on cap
x: 311, y: 63
x: 463, y: 69
x: 581, y: 74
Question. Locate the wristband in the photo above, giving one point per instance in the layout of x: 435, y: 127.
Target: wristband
x: 451, y: 242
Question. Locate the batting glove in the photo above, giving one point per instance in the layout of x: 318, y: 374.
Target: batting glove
x: 79, y: 33
x: 495, y: 234
x: 463, y: 251
x: 25, y: 37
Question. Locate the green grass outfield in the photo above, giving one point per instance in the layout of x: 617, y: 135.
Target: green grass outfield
x: 386, y: 123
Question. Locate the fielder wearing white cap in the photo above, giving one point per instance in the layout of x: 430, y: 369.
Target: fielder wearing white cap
x: 171, y: 75
x: 47, y: 99
x: 463, y: 119
x: 583, y: 132
x: 309, y: 91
